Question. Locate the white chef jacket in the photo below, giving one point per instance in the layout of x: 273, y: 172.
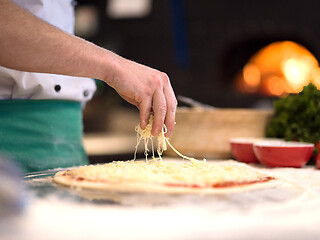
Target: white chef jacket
x: 26, y: 85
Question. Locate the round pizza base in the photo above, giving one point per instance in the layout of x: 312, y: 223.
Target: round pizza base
x: 144, y: 187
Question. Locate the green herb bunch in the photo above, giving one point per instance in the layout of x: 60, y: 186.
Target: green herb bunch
x: 297, y: 116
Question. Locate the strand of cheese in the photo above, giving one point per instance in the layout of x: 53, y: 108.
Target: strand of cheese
x: 145, y: 135
x: 178, y: 153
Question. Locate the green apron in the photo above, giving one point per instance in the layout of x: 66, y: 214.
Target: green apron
x: 42, y: 134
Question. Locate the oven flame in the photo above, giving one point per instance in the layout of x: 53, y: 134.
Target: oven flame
x: 252, y: 75
x: 278, y: 69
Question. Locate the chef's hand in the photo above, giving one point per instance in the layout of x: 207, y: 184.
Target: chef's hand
x: 32, y: 45
x: 148, y: 89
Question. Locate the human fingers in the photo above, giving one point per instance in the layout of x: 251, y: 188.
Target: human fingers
x: 171, y: 109
x: 145, y: 111
x: 159, y: 111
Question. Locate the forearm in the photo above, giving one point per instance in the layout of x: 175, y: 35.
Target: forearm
x: 30, y: 44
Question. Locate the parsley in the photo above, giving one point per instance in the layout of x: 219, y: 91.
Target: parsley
x: 297, y: 116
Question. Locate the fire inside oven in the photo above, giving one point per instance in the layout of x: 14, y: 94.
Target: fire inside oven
x: 247, y: 53
x: 279, y: 68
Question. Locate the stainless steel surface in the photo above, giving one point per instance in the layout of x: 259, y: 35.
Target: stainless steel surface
x: 193, y: 103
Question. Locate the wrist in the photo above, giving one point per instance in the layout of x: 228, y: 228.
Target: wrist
x: 110, y: 65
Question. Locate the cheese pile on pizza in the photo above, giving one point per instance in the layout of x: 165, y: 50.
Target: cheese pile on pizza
x: 163, y: 176
x: 160, y: 175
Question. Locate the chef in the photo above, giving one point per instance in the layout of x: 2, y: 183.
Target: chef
x: 46, y: 79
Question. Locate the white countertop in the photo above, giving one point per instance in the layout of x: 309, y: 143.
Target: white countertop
x: 289, y: 211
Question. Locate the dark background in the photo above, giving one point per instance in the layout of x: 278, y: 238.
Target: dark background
x: 203, y: 44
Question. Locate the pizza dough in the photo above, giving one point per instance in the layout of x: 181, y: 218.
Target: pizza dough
x: 162, y: 176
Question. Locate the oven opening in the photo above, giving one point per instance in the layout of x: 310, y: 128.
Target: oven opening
x: 277, y: 69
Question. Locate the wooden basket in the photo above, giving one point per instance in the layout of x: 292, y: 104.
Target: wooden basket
x: 205, y: 133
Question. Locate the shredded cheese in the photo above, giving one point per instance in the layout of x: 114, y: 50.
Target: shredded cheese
x: 192, y: 173
x: 162, y: 140
x: 162, y: 172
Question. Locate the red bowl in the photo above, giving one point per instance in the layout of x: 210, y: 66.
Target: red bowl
x: 283, y: 154
x: 242, y: 149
